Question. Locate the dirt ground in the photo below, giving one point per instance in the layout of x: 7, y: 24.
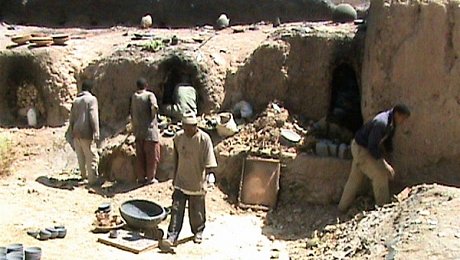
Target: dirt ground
x: 42, y: 193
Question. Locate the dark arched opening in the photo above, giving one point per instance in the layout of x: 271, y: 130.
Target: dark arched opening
x: 346, y: 98
x: 173, y: 70
x: 21, y: 90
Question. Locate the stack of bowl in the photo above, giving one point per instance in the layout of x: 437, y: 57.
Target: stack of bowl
x: 15, y: 251
x: 60, y: 39
x: 41, y: 41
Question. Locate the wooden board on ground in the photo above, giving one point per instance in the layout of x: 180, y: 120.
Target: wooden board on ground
x: 129, y: 241
x: 133, y: 242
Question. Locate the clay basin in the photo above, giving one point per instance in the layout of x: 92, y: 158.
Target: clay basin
x: 142, y: 214
x: 21, y: 39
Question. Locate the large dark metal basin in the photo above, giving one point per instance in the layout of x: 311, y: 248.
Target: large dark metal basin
x: 142, y: 214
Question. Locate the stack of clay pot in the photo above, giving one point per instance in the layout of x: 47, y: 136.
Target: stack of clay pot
x: 28, y: 97
x: 60, y: 39
x: 41, y: 39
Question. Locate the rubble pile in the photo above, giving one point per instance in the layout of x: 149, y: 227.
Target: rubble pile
x: 378, y: 233
x: 262, y: 137
x: 28, y: 97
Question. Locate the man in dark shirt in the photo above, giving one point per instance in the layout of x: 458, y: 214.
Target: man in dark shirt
x: 144, y: 109
x: 369, y: 148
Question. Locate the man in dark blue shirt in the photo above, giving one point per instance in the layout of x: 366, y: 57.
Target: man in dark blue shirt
x: 369, y: 148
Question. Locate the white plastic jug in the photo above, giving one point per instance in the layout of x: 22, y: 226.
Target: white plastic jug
x: 32, y: 117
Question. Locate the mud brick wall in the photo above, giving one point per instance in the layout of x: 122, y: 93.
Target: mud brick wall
x: 411, y: 56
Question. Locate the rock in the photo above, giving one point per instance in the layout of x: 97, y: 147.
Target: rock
x: 222, y: 22
x: 344, y: 13
x: 146, y: 22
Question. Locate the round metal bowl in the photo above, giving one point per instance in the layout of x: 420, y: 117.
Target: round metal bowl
x: 142, y: 214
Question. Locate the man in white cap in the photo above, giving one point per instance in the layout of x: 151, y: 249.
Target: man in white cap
x: 195, y: 159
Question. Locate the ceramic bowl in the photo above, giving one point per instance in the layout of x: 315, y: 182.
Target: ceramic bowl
x: 33, y: 233
x: 33, y: 253
x: 62, y: 232
x: 44, y: 234
x: 38, y: 34
x: 60, y: 39
x: 104, y: 207
x: 14, y: 248
x: 15, y: 256
x: 42, y: 41
x: 53, y: 231
x: 21, y: 39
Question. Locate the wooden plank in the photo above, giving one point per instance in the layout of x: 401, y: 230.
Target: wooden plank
x: 138, y: 244
x: 129, y: 241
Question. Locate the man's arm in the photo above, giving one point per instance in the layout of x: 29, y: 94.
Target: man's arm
x: 375, y: 137
x: 175, y: 161
x: 209, y: 157
x: 153, y: 105
x: 94, y: 118
x: 72, y: 118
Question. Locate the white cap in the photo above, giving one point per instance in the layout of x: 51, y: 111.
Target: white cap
x: 189, y: 118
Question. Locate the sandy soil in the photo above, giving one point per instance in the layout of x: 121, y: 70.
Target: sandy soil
x: 30, y: 200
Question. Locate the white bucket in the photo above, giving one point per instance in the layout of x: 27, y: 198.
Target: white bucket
x: 226, y: 126
x: 32, y: 117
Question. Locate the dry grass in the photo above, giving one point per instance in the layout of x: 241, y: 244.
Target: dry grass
x: 6, y: 154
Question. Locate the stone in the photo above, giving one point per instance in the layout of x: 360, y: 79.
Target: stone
x: 146, y: 22
x: 344, y: 13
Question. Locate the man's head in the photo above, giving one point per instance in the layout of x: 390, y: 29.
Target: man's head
x: 401, y: 113
x: 141, y: 83
x: 87, y: 85
x: 189, y: 123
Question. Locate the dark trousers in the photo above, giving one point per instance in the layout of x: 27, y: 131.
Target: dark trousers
x: 147, y: 159
x: 196, y: 214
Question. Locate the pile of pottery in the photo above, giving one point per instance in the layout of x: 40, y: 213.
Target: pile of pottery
x: 48, y: 233
x: 17, y: 252
x: 27, y: 96
x: 270, y: 135
x: 40, y: 40
x: 167, y: 127
x: 105, y: 219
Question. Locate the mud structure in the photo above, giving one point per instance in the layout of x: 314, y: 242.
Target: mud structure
x: 115, y: 81
x: 38, y: 69
x: 165, y: 13
x: 407, y: 53
x: 411, y: 56
x: 296, y: 67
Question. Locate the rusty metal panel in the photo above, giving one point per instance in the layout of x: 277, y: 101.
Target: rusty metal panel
x: 259, y: 184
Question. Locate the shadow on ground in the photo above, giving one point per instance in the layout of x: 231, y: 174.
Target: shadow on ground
x: 106, y: 189
x: 65, y: 184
